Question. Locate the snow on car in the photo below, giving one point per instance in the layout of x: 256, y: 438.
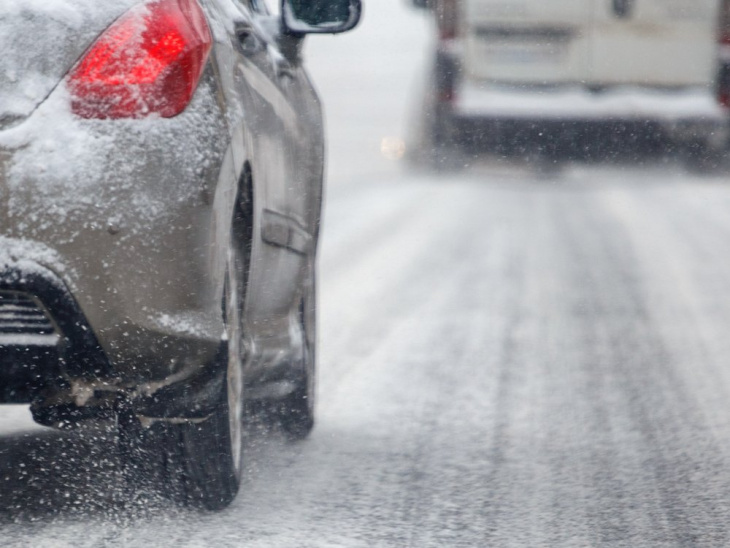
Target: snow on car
x: 161, y: 169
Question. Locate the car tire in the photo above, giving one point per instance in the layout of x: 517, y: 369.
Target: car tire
x: 295, y: 412
x: 197, y: 462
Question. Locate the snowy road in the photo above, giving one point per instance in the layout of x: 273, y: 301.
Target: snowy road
x: 507, y: 359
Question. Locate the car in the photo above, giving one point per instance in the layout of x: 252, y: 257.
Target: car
x: 161, y: 172
x: 564, y: 68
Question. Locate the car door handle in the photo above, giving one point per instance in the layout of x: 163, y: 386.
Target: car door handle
x: 247, y: 41
x: 284, y: 69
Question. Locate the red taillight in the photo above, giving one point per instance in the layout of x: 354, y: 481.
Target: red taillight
x: 447, y: 18
x: 723, y: 97
x: 148, y: 62
x: 723, y: 78
x: 725, y: 22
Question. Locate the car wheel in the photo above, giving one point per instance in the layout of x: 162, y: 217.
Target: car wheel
x: 295, y: 412
x: 198, y: 462
x: 212, y: 449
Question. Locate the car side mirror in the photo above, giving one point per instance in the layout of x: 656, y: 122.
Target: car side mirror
x: 320, y: 16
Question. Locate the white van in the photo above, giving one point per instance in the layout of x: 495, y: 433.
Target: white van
x: 653, y: 63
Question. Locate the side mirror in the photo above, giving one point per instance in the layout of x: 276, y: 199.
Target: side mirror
x: 320, y: 16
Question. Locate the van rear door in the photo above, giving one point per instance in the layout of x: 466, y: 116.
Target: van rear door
x: 654, y: 42
x: 527, y: 41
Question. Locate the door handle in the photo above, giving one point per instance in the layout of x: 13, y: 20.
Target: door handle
x: 284, y: 69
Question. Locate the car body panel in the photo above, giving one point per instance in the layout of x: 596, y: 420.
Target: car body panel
x: 134, y: 217
x: 108, y: 201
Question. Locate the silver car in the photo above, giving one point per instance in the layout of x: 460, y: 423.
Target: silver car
x: 161, y: 170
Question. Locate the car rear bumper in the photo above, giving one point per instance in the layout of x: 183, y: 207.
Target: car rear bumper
x: 44, y: 336
x: 51, y: 356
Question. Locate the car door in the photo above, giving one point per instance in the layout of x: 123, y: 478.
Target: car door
x: 275, y: 130
x: 304, y: 144
x: 526, y: 41
x: 654, y: 42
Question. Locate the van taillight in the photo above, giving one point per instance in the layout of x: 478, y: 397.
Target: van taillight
x: 725, y: 22
x: 148, y: 62
x: 723, y: 79
x: 447, y: 18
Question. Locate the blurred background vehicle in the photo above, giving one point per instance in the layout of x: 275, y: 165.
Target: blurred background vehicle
x: 554, y: 72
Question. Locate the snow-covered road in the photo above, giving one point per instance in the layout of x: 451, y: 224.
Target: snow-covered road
x: 505, y: 361
x: 507, y: 358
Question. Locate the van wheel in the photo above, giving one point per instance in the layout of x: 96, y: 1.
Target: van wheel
x: 704, y: 158
x: 442, y: 128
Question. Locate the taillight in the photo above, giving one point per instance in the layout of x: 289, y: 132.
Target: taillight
x: 723, y: 80
x: 725, y: 22
x: 447, y: 18
x: 148, y: 62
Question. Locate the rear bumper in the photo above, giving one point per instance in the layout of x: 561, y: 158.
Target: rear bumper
x: 51, y: 356
x: 35, y: 353
x: 58, y: 364
x: 679, y: 112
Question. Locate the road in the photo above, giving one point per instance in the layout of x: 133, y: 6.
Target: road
x: 508, y: 357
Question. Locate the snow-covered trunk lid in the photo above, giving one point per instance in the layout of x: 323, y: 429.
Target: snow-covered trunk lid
x: 654, y: 42
x: 40, y: 40
x: 527, y: 41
